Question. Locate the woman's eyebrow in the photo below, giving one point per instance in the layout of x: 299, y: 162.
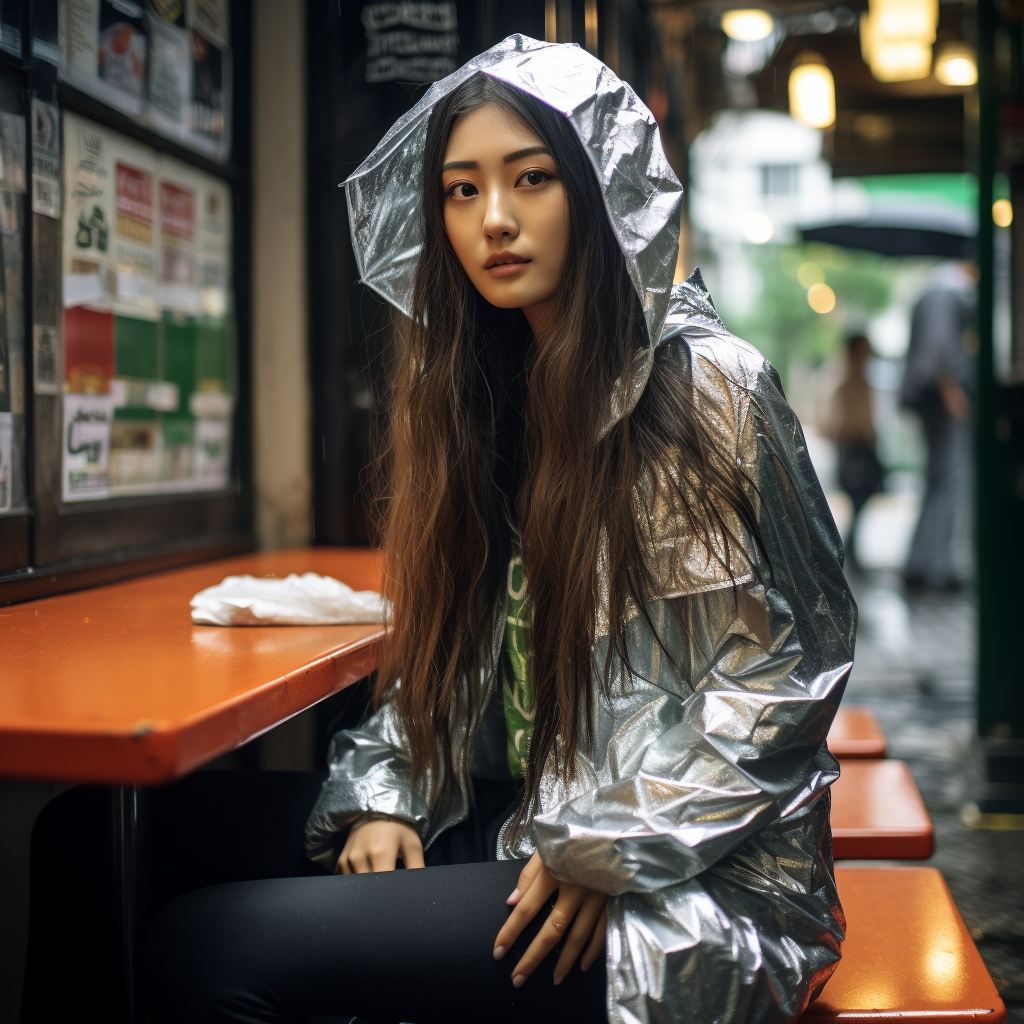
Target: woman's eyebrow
x: 520, y: 154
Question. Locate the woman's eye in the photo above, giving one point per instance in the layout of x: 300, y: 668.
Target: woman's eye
x: 462, y: 190
x: 535, y: 177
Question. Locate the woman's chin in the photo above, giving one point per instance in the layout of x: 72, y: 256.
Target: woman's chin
x: 512, y: 297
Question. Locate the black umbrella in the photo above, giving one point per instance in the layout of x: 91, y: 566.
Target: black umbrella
x: 894, y: 241
x: 916, y: 227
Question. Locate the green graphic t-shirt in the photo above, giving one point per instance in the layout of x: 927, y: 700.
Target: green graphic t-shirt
x: 515, y: 669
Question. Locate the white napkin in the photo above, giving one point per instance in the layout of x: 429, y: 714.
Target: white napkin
x: 306, y: 600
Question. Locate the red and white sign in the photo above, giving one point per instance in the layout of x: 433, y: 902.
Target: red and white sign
x: 177, y: 210
x: 134, y: 193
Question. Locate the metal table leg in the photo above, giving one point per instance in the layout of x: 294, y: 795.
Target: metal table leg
x: 125, y: 820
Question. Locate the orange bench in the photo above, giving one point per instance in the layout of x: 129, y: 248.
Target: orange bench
x: 856, y: 733
x: 878, y: 813
x: 908, y: 956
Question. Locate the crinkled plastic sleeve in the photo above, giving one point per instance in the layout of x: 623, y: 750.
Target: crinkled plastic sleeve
x: 742, y: 747
x: 369, y: 772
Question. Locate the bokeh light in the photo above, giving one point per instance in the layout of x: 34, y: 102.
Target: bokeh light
x: 757, y: 227
x: 821, y: 298
x: 955, y: 65
x: 747, y: 25
x: 1002, y: 213
x: 812, y: 92
x: 810, y: 274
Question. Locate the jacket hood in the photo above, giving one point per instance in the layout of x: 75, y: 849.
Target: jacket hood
x: 642, y: 195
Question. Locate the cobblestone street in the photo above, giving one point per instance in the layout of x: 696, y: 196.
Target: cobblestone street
x: 914, y: 667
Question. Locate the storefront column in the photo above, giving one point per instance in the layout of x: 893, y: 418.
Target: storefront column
x: 281, y: 393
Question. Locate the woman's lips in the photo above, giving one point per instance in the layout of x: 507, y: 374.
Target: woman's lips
x: 508, y: 269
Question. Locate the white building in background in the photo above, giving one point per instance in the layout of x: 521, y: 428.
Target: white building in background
x: 756, y: 175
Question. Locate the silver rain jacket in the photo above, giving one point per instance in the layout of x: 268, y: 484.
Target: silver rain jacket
x: 702, y: 806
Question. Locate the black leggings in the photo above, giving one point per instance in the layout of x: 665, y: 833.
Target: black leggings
x: 397, y: 946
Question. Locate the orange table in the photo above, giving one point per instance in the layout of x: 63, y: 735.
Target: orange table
x: 856, y: 733
x: 878, y: 813
x: 907, y: 956
x: 115, y: 684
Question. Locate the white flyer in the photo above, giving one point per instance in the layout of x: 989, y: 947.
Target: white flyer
x: 214, y: 247
x: 88, y: 225
x: 6, y: 461
x: 12, y: 152
x: 211, y: 457
x: 170, y: 77
x: 85, y: 471
x: 45, y: 359
x: 178, y: 208
x: 133, y: 255
x: 45, y: 159
x: 78, y: 24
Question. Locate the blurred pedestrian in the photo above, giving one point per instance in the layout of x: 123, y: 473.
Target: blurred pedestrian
x: 850, y: 423
x: 937, y: 386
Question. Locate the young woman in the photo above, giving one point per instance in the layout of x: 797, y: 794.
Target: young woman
x: 620, y: 628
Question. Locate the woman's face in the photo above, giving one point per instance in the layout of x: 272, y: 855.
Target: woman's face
x: 505, y: 211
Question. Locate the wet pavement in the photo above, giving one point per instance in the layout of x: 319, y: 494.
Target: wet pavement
x: 914, y: 666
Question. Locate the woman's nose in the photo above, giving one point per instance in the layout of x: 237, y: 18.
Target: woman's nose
x: 499, y: 218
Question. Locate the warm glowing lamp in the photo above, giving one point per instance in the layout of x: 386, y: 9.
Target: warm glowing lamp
x: 904, y: 60
x: 812, y: 91
x: 904, y: 19
x: 896, y: 38
x: 748, y: 25
x: 1002, y: 213
x: 956, y: 65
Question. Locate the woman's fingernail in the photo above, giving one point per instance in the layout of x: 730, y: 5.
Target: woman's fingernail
x: 514, y: 896
x: 558, y: 979
x: 518, y: 981
x: 499, y: 952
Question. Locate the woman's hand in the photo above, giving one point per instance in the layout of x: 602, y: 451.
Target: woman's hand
x: 378, y: 845
x: 585, y: 910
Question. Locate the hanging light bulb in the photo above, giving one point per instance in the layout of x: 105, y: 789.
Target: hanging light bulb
x: 900, y: 60
x: 748, y: 25
x: 955, y: 64
x: 812, y: 91
x: 896, y: 38
x: 905, y: 19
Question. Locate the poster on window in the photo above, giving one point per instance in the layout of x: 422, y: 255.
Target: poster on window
x: 165, y: 63
x: 213, y: 452
x: 147, y: 338
x: 110, y: 230
x: 170, y: 68
x: 45, y: 159
x: 87, y: 424
x: 179, y: 210
x: 133, y: 263
x: 215, y: 249
x: 6, y: 461
x: 89, y: 213
x: 12, y: 152
x: 103, y: 47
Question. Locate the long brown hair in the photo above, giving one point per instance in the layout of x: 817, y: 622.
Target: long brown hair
x: 492, y: 434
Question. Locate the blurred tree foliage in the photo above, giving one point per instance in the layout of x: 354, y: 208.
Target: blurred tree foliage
x: 782, y: 324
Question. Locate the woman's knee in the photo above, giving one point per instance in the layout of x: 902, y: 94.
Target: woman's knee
x: 201, y: 959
